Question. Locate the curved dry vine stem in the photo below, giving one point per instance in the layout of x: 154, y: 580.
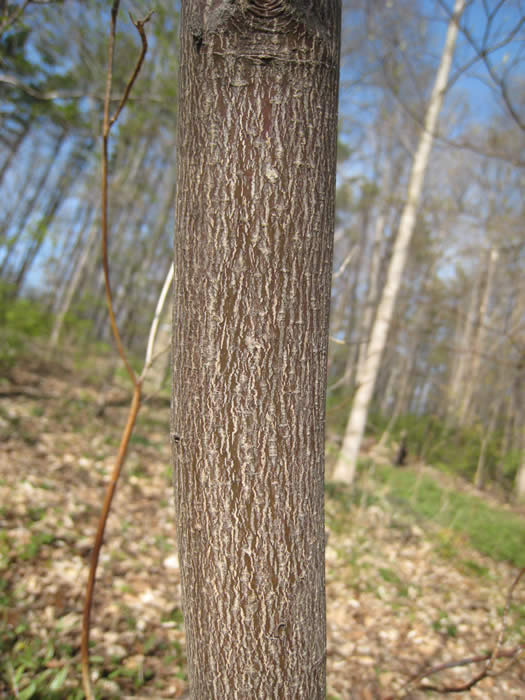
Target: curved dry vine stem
x: 489, y: 658
x: 137, y: 381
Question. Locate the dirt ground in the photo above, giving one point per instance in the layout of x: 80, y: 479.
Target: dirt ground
x: 395, y: 605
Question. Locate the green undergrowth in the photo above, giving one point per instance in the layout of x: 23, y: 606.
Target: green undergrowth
x: 341, y: 502
x: 30, y: 666
x: 451, y: 448
x: 21, y: 320
x: 492, y: 531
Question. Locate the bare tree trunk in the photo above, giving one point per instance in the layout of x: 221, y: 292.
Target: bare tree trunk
x: 350, y: 301
x: 72, y: 169
x: 520, y: 482
x: 520, y: 424
x: 253, y: 256
x: 73, y: 286
x: 347, y: 462
x: 401, y: 400
x: 465, y: 330
x: 480, y: 340
x: 371, y: 296
x: 480, y: 476
x: 24, y: 130
x: 30, y: 205
x: 387, y: 395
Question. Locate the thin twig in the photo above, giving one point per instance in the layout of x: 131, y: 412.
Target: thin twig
x: 482, y: 53
x: 504, y: 617
x: 108, y: 123
x: 11, y: 19
x: 139, y: 24
x: 489, y: 658
x: 104, y: 190
x: 70, y: 94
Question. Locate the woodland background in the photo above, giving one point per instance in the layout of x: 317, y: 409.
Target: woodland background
x: 452, y: 372
x: 452, y: 377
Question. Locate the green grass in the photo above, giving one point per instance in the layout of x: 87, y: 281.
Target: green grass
x: 176, y: 616
x: 27, y: 666
x: 492, y: 531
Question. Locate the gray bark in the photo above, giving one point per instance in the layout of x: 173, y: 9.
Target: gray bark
x: 478, y: 346
x: 253, y: 256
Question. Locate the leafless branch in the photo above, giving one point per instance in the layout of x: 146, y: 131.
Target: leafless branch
x: 50, y: 95
x: 139, y: 24
x: 483, y: 52
x: 488, y: 659
x: 137, y: 381
x: 9, y: 20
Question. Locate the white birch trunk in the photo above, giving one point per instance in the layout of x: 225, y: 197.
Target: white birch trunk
x: 347, y: 462
x: 481, y: 469
x: 464, y: 339
x: 371, y: 299
x: 520, y: 481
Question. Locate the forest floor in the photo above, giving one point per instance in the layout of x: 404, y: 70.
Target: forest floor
x: 403, y: 594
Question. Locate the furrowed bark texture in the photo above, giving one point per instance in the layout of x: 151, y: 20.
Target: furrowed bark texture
x: 253, y: 255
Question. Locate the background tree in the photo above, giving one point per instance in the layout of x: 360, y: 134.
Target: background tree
x: 346, y: 465
x: 52, y: 85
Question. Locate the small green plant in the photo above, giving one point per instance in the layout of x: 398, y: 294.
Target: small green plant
x: 175, y: 615
x: 36, y: 669
x: 389, y: 576
x: 36, y: 513
x: 137, y: 439
x: 443, y: 626
x: 35, y: 544
x: 474, y: 568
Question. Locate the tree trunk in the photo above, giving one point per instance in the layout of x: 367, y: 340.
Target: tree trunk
x: 520, y: 427
x: 72, y: 169
x: 160, y: 367
x: 253, y: 255
x: 74, y: 282
x: 520, y: 482
x: 347, y: 462
x: 465, y: 329
x: 13, y: 240
x: 22, y: 134
x: 480, y: 340
x: 480, y: 476
x: 371, y: 295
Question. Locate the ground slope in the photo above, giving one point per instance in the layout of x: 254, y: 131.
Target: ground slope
x: 402, y: 594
